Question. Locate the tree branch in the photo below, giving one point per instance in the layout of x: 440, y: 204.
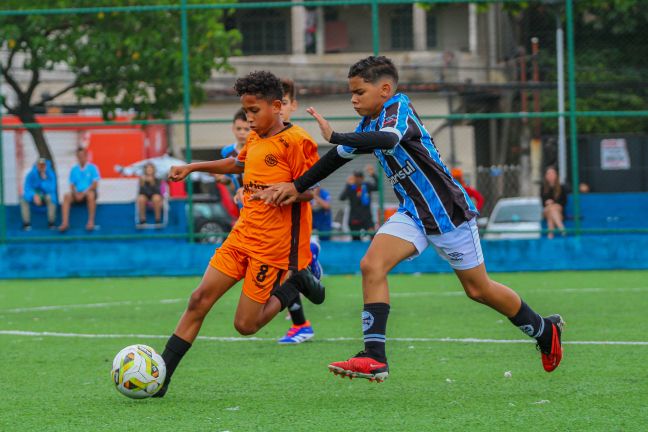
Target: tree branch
x: 76, y: 83
x: 10, y: 110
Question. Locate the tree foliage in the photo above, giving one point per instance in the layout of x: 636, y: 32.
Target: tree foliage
x: 122, y: 60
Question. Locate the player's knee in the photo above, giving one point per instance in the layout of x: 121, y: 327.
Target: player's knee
x: 244, y: 327
x: 199, y: 303
x: 371, y: 267
x: 474, y: 292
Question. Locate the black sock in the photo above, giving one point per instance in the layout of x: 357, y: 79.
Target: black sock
x: 175, y: 349
x: 533, y: 325
x: 374, y: 326
x: 296, y: 310
x: 286, y: 293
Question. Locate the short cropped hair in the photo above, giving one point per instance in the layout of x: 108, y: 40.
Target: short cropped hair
x: 372, y: 69
x: 239, y: 115
x: 289, y: 89
x: 262, y: 84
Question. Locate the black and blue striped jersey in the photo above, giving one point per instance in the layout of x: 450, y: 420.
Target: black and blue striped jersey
x: 422, y: 182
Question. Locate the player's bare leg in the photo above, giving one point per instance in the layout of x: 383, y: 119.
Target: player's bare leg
x: 212, y: 286
x: 384, y: 253
x: 547, y: 331
x: 252, y: 316
x: 480, y: 288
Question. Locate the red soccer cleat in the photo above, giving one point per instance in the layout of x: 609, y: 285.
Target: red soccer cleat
x: 551, y: 359
x: 361, y: 366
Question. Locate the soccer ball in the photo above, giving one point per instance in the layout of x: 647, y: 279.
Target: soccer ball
x: 138, y: 371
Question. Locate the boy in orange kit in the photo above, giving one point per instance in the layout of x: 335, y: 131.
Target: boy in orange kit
x: 267, y: 241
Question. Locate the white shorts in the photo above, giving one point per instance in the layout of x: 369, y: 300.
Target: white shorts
x: 460, y: 247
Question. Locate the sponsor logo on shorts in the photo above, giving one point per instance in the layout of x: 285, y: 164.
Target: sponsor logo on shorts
x: 456, y: 256
x: 367, y: 320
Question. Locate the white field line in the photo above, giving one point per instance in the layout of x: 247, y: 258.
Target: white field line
x: 92, y: 305
x: 258, y: 339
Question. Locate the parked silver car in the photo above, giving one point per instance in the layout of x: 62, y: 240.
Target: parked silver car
x: 515, y: 218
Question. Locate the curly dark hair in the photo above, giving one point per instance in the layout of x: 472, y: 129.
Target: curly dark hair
x: 262, y: 84
x: 372, y: 68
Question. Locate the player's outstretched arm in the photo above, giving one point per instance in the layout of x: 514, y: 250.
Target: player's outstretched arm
x: 385, y: 138
x: 222, y: 166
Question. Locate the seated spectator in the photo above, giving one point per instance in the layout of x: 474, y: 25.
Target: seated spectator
x: 84, y: 179
x: 583, y: 188
x: 321, y: 204
x: 149, y: 191
x: 476, y: 197
x: 39, y: 190
x: 358, y: 192
x: 554, y: 198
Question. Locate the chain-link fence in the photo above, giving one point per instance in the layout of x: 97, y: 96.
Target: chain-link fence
x: 505, y: 88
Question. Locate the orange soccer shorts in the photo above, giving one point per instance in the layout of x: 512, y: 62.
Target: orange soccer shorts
x: 259, y: 279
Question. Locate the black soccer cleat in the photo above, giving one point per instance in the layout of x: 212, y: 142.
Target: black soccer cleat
x: 309, y: 286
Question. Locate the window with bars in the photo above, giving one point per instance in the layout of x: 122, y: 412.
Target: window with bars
x: 402, y: 33
x: 264, y: 34
x: 431, y: 30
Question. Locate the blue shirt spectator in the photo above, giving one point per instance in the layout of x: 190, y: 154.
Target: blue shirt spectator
x: 321, y: 203
x: 39, y: 190
x: 83, y: 177
x: 41, y: 182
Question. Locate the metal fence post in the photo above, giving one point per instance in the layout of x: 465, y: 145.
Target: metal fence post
x: 3, y: 214
x: 186, y: 107
x: 573, y: 126
x: 375, y: 32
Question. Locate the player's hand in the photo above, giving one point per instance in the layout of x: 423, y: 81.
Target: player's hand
x: 284, y: 193
x: 37, y: 200
x: 264, y: 195
x: 179, y: 173
x: 238, y: 196
x: 324, y: 125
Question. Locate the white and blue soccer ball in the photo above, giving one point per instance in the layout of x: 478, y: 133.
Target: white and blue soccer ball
x: 138, y: 371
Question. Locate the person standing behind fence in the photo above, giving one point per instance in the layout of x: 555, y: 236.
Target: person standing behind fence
x: 358, y: 192
x: 476, y: 197
x: 554, y: 200
x: 84, y: 179
x: 150, y: 189
x: 321, y: 205
x: 39, y: 190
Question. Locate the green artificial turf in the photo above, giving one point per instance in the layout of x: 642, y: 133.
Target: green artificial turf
x: 62, y: 383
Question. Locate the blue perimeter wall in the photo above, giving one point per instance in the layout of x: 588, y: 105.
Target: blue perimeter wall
x: 177, y: 258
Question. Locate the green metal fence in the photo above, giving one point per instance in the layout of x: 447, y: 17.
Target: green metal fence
x: 572, y: 114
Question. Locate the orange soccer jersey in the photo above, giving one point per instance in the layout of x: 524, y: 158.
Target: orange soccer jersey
x: 277, y: 236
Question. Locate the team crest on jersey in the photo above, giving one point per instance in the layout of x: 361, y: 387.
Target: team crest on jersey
x: 367, y: 320
x: 388, y: 152
x: 391, y: 120
x: 271, y: 160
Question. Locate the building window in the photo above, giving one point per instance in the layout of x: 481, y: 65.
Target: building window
x: 431, y: 30
x: 401, y: 28
x: 264, y: 33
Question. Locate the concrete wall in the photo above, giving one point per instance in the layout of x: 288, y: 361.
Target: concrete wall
x: 166, y: 258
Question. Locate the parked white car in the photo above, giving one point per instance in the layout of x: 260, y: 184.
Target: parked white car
x: 516, y: 218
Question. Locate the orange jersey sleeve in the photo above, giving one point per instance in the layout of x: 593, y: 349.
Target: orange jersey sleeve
x: 279, y: 236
